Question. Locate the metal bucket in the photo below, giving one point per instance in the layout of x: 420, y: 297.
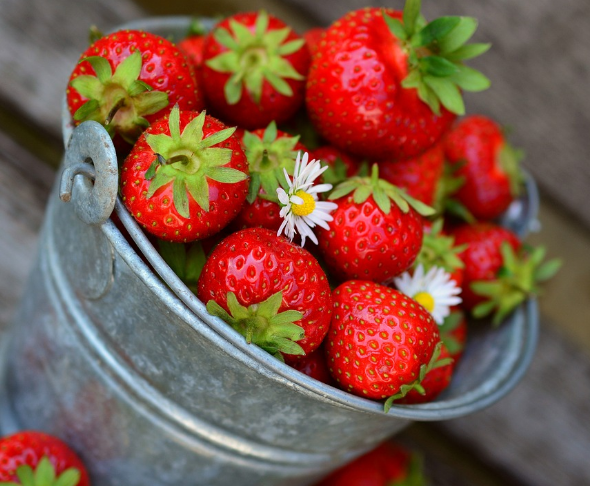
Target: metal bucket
x: 117, y: 357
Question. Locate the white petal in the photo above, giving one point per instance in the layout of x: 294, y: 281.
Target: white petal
x: 320, y: 188
x: 283, y: 197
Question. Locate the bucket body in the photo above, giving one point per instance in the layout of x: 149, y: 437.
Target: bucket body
x: 112, y: 353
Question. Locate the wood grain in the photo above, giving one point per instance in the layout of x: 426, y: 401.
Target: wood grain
x: 24, y: 186
x: 41, y: 42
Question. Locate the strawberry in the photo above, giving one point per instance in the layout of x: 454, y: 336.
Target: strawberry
x: 315, y: 365
x: 192, y: 47
x: 33, y: 458
x: 381, y: 343
x: 481, y: 255
x: 389, y: 464
x: 434, y: 383
x: 376, y: 233
x: 270, y: 290
x: 387, y: 85
x: 488, y: 165
x: 255, y: 68
x: 313, y: 37
x: 129, y: 79
x: 500, y: 274
x: 186, y: 177
x: 419, y: 176
x: 269, y: 151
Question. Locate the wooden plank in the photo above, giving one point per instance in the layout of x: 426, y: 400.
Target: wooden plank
x: 538, y: 65
x: 24, y: 186
x: 540, y: 433
x: 41, y: 42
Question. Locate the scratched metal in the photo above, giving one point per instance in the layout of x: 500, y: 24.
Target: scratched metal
x: 110, y: 351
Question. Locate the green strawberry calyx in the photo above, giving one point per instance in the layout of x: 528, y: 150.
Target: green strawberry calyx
x: 120, y: 100
x: 509, y: 159
x: 446, y: 329
x: 263, y: 325
x: 189, y: 160
x: 436, y: 51
x: 185, y: 259
x: 518, y: 279
x: 44, y: 475
x: 438, y: 250
x: 384, y: 193
x: 414, y: 473
x: 267, y: 157
x: 254, y: 57
x: 434, y: 362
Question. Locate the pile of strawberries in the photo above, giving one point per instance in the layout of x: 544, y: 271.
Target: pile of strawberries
x: 319, y: 193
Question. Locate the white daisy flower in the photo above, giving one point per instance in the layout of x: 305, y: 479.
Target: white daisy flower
x: 435, y: 291
x: 301, y: 210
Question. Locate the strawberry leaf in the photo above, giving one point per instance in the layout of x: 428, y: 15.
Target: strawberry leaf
x: 470, y: 79
x: 410, y: 15
x: 70, y: 477
x: 226, y: 174
x: 435, y: 30
x: 458, y: 36
x: 468, y: 51
x: 438, y: 66
x: 448, y: 94
x: 199, y: 190
x: 395, y: 26
x: 101, y: 67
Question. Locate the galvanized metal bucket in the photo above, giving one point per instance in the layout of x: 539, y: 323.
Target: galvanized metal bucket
x: 120, y: 359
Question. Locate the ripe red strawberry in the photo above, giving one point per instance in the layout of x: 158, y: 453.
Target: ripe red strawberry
x: 376, y: 233
x: 186, y: 177
x: 192, y: 47
x: 313, y: 37
x: 381, y: 343
x: 268, y: 152
x: 378, y: 80
x: 30, y: 453
x: 389, y: 464
x: 270, y: 290
x: 499, y: 273
x: 255, y: 68
x: 481, y: 255
x: 488, y: 165
x: 419, y: 176
x: 434, y: 383
x: 129, y: 79
x: 315, y: 365
x: 342, y: 165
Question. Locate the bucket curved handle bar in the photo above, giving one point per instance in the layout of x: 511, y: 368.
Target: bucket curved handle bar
x: 90, y: 176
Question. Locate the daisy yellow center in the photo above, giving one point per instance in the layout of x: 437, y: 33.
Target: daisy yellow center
x: 307, y: 207
x: 425, y: 300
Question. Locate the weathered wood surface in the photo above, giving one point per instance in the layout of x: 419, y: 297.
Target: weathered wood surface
x: 539, y: 65
x: 41, y: 42
x: 24, y: 186
x: 539, y: 435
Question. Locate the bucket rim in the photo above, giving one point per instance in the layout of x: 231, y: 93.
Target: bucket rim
x: 523, y: 323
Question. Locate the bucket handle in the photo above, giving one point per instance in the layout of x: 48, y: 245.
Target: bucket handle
x: 90, y: 176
